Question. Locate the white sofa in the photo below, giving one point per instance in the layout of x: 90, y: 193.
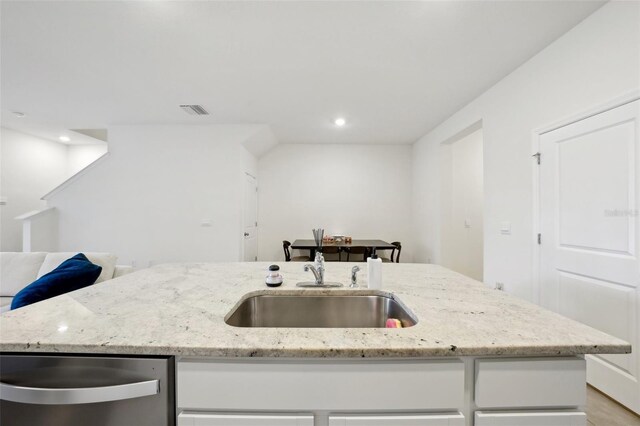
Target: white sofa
x: 18, y: 270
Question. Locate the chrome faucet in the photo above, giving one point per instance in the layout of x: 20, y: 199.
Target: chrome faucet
x: 317, y: 268
x: 318, y: 272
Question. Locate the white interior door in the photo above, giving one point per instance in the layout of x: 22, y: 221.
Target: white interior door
x: 250, y: 225
x: 589, y: 268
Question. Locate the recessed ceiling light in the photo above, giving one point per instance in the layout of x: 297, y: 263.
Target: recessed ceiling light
x: 64, y: 138
x: 19, y: 114
x: 339, y: 121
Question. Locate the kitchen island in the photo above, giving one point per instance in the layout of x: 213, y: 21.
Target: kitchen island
x: 476, y: 355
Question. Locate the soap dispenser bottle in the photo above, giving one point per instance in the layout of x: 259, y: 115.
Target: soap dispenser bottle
x: 374, y: 271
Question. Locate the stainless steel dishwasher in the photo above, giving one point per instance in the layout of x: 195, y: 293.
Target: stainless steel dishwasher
x: 70, y: 390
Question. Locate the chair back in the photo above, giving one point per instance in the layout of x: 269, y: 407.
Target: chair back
x: 358, y: 250
x: 287, y: 254
x: 398, y: 245
x: 331, y: 250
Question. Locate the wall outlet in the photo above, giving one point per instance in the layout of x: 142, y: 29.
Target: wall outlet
x: 499, y: 286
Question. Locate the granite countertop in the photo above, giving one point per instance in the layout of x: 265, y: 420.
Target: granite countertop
x: 179, y: 309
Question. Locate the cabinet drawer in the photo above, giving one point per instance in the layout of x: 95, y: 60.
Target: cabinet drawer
x: 207, y: 419
x: 286, y: 385
x: 454, y: 419
x: 533, y: 382
x: 531, y: 418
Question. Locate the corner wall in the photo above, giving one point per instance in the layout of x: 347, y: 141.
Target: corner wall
x: 593, y: 63
x: 30, y: 167
x: 167, y: 193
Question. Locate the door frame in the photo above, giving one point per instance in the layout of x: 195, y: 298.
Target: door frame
x: 535, y: 145
x: 242, y: 239
x: 476, y: 126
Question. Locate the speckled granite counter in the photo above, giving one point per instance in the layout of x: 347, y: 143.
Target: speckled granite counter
x: 180, y: 309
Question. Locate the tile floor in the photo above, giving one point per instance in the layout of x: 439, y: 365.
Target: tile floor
x: 603, y: 411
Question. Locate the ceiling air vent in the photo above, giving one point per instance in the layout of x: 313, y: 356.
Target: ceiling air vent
x: 194, y: 109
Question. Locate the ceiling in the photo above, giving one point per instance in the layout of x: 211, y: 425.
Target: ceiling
x: 37, y: 126
x: 393, y: 69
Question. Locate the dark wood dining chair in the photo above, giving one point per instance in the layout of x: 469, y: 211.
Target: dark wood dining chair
x: 332, y: 251
x: 287, y: 254
x: 395, y: 253
x: 364, y: 251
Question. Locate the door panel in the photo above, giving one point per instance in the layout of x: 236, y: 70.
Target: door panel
x: 586, y: 189
x: 589, y: 267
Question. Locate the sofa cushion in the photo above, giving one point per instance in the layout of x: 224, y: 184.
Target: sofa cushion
x: 17, y: 270
x: 106, y: 260
x: 73, y: 274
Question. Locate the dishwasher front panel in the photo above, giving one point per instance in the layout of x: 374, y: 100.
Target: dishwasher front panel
x: 70, y: 390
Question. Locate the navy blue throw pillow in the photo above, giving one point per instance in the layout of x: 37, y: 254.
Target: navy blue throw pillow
x: 72, y: 274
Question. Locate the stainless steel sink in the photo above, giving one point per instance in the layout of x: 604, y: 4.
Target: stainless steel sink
x: 304, y: 310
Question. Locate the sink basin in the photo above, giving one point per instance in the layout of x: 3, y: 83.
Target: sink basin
x: 324, y: 311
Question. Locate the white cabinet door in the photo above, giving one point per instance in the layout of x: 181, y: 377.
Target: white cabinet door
x: 590, y: 225
x: 202, y: 419
x: 550, y: 418
x: 521, y: 383
x: 319, y: 385
x: 399, y: 420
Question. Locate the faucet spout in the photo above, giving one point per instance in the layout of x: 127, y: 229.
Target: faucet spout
x: 317, y: 268
x: 316, y: 274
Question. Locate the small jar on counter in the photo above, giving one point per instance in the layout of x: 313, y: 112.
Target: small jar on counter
x: 274, y: 279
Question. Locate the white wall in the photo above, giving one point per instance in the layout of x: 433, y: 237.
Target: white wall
x: 462, y: 196
x: 596, y: 61
x: 80, y: 156
x: 359, y: 190
x: 31, y: 167
x: 148, y: 200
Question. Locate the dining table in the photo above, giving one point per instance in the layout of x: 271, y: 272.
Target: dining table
x: 372, y: 244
